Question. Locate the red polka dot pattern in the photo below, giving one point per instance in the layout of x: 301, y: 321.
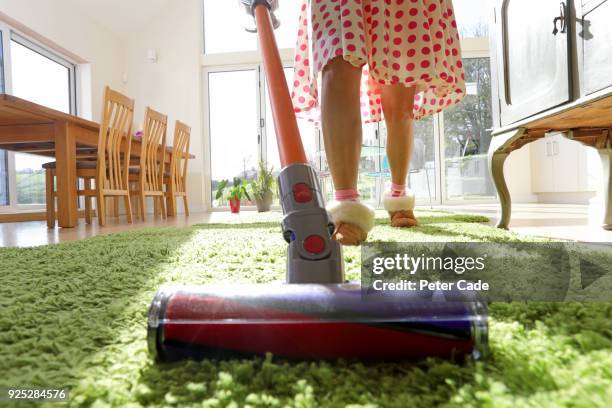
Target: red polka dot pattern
x: 409, y: 42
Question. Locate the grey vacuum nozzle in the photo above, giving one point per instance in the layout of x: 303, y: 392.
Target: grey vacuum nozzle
x: 314, y: 257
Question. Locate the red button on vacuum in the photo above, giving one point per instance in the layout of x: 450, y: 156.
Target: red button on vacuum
x: 314, y: 244
x: 302, y: 193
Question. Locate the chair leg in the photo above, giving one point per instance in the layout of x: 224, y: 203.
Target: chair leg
x: 87, y: 183
x: 136, y: 206
x: 116, y: 207
x: 50, y: 189
x: 186, y: 205
x: 128, y: 208
x: 101, y: 201
x: 162, y: 207
x: 141, y: 203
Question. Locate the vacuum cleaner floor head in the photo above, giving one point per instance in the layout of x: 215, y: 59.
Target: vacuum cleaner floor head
x: 310, y: 321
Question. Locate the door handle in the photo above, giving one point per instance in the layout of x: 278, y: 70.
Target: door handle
x: 561, y: 18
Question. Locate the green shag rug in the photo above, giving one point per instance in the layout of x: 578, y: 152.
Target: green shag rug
x: 74, y: 315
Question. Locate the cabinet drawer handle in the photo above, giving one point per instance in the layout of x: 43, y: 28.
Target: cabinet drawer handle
x: 561, y: 18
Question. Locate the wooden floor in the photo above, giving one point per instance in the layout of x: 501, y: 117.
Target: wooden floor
x: 556, y: 221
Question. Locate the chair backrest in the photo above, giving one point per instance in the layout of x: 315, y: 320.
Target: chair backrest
x: 115, y: 140
x: 180, y: 156
x: 153, y: 149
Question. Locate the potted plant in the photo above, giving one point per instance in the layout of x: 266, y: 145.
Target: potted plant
x: 233, y: 193
x: 262, y: 187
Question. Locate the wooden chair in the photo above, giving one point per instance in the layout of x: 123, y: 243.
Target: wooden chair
x: 148, y: 178
x: 176, y: 180
x: 110, y: 170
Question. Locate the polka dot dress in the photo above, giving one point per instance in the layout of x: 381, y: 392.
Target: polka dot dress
x: 410, y: 42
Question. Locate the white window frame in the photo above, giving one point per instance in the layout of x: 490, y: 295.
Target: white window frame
x: 11, y: 34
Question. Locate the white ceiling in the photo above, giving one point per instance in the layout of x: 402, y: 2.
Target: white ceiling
x: 121, y: 16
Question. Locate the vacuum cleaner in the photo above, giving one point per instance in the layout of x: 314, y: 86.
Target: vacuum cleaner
x: 316, y: 314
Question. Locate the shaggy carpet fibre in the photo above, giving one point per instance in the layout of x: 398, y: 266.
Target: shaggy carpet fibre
x: 74, y: 315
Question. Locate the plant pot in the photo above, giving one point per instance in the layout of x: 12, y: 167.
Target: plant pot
x: 234, y: 205
x: 264, y: 203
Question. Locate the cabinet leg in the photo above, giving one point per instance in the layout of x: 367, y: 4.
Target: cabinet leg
x: 499, y: 150
x: 496, y: 166
x: 606, y: 165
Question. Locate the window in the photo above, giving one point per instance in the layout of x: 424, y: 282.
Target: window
x: 467, y: 135
x: 46, y: 79
x: 30, y: 72
x: 472, y: 17
x: 4, y: 179
x: 224, y: 23
x: 38, y: 78
x: 233, y: 125
x: 222, y: 32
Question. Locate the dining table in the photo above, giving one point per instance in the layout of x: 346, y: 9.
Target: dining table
x: 28, y: 127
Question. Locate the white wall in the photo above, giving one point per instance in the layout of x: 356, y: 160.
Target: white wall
x: 171, y: 85
x: 518, y: 176
x: 58, y: 25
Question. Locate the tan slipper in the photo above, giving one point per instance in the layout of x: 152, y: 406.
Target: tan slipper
x: 349, y: 234
x: 353, y: 219
x: 400, y: 210
x: 403, y: 219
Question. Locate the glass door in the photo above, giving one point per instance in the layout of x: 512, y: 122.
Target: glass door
x: 467, y: 135
x: 234, y: 126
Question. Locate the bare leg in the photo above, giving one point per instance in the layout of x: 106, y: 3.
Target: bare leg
x: 342, y: 135
x: 341, y: 120
x: 397, y: 101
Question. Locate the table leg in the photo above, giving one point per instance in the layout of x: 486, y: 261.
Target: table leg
x: 606, y: 165
x: 171, y: 202
x: 65, y: 156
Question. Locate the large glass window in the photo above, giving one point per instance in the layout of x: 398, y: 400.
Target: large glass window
x: 472, y: 17
x: 221, y: 37
x: 467, y: 135
x: 222, y: 31
x: 4, y: 180
x: 40, y: 79
x: 233, y: 125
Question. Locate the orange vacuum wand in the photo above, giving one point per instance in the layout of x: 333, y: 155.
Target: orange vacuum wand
x: 287, y: 133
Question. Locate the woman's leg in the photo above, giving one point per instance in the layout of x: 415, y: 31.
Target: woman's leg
x: 342, y: 135
x: 341, y: 120
x: 397, y: 102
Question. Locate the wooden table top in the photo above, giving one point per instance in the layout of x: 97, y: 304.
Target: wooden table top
x: 36, y: 121
x: 15, y: 111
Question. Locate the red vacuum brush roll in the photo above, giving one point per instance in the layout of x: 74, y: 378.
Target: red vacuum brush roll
x: 311, y: 322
